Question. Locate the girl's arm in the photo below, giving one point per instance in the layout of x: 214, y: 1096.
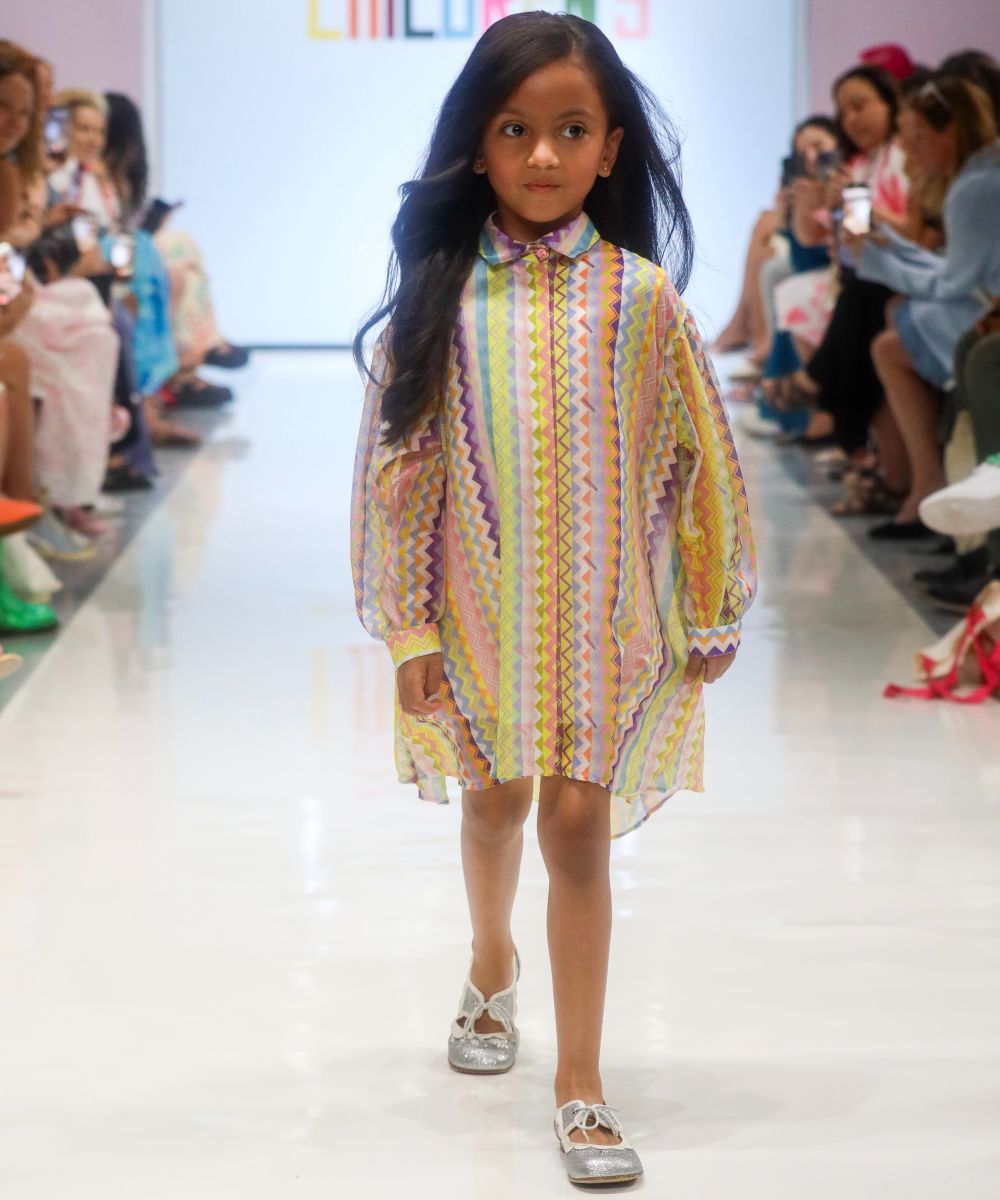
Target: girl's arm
x: 397, y: 512
x: 713, y: 521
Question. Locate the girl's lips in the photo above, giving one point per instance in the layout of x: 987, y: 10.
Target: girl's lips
x: 541, y: 187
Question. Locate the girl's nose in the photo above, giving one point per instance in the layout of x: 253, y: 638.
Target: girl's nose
x: 543, y: 154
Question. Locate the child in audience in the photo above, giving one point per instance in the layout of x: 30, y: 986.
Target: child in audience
x: 550, y: 527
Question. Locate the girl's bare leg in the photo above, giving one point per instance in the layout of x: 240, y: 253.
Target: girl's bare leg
x: 574, y: 834
x: 17, y: 476
x: 914, y: 405
x: 492, y: 842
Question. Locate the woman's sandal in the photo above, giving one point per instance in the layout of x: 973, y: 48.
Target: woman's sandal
x: 485, y: 1053
x: 588, y: 1162
x: 866, y: 495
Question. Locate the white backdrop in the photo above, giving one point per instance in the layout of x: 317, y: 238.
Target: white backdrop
x: 288, y: 143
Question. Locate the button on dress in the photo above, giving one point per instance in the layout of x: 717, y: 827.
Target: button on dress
x: 566, y: 529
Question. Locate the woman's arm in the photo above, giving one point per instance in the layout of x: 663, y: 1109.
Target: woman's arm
x: 808, y: 202
x: 972, y: 220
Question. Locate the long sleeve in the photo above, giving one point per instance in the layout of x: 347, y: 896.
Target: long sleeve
x: 397, y: 510
x: 972, y: 224
x: 713, y: 521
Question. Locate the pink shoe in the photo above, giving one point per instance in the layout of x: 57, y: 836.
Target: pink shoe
x: 80, y: 520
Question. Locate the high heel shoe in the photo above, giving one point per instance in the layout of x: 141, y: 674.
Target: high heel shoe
x: 588, y: 1162
x: 485, y: 1053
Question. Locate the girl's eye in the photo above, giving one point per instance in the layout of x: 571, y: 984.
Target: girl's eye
x: 512, y: 129
x: 574, y: 132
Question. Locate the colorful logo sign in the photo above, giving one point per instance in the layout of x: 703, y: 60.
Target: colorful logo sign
x: 354, y: 20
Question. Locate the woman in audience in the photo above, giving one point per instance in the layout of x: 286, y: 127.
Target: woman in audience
x: 840, y: 377
x: 803, y: 299
x: 18, y: 509
x: 955, y: 137
x: 85, y: 182
x: 196, y: 332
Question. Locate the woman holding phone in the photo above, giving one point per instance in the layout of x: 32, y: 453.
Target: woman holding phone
x: 956, y: 137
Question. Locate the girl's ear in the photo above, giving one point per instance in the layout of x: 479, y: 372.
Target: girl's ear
x: 611, y: 144
x: 478, y: 165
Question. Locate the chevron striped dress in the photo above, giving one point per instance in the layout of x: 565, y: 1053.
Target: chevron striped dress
x: 566, y: 530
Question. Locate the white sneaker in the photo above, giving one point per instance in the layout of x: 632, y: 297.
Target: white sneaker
x: 969, y: 507
x: 53, y: 539
x: 755, y: 425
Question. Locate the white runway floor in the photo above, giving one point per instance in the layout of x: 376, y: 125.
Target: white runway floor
x: 231, y: 945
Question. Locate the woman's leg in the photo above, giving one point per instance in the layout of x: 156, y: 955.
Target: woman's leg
x: 916, y: 409
x: 574, y: 834
x: 17, y: 471
x: 492, y: 841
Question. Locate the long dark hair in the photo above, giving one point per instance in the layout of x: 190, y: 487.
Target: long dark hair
x: 883, y: 83
x: 827, y: 124
x: 977, y: 67
x: 436, y: 232
x: 125, y: 152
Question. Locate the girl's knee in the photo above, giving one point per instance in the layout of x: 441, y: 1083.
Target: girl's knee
x: 887, y: 347
x: 574, y: 826
x: 496, y: 814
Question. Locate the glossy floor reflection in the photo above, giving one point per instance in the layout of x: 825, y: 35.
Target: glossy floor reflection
x: 230, y: 944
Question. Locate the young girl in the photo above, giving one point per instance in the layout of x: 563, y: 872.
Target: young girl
x: 550, y: 528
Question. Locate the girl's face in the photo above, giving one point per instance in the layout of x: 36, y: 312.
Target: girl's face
x: 813, y: 141
x: 865, y: 116
x: 934, y: 150
x: 545, y: 148
x: 17, y: 105
x: 86, y: 135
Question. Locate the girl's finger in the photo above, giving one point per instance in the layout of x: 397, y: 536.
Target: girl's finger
x: 695, y: 669
x: 435, y: 677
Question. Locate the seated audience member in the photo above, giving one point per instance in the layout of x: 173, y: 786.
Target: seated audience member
x: 840, y: 375
x: 803, y: 300
x: 979, y: 68
x: 973, y: 503
x: 772, y: 256
x: 196, y: 332
x: 956, y: 136
x: 85, y: 182
x: 73, y: 352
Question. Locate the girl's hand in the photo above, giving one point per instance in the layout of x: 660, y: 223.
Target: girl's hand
x: 708, y: 670
x: 419, y: 681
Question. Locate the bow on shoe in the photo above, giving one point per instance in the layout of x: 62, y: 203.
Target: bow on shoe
x: 487, y: 1008
x: 594, y: 1116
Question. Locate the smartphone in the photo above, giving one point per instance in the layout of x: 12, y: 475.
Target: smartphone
x: 857, y: 217
x: 57, y: 132
x: 11, y: 273
x: 793, y: 167
x: 157, y: 213
x: 85, y: 233
x: 121, y: 254
x: 827, y: 165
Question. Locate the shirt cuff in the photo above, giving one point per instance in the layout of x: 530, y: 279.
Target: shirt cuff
x: 418, y: 640
x: 719, y: 639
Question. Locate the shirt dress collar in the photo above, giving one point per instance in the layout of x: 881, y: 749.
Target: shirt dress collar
x: 571, y: 241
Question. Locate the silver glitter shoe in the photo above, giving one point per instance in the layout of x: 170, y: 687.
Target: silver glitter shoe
x: 485, y: 1053
x: 587, y: 1162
